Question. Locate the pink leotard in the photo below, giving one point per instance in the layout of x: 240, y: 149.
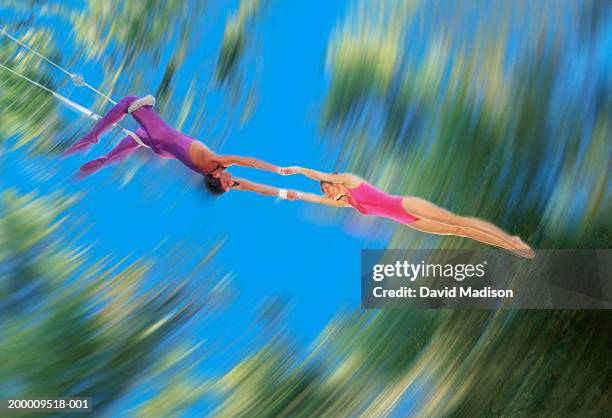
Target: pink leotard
x: 371, y: 201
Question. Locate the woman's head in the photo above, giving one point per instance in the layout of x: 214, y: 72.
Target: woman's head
x: 327, y: 188
x: 219, y: 181
x: 333, y: 190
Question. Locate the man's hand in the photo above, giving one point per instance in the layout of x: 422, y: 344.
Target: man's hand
x: 288, y: 171
x: 292, y: 195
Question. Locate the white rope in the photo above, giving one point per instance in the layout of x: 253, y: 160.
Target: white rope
x: 75, y: 106
x: 77, y: 79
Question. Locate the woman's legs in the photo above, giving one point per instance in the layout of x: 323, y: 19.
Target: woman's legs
x: 113, y: 116
x: 434, y: 227
x: 435, y: 220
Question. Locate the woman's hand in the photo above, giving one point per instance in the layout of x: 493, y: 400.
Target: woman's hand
x: 288, y: 171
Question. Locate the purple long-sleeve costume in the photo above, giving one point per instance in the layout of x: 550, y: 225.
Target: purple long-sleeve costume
x: 154, y: 132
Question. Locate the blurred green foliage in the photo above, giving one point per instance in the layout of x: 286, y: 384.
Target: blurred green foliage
x: 461, y: 117
x: 27, y: 113
x: 239, y: 58
x: 128, y: 26
x: 134, y: 34
x: 238, y: 29
x: 75, y: 327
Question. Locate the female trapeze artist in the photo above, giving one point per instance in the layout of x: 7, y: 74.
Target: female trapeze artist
x: 349, y: 190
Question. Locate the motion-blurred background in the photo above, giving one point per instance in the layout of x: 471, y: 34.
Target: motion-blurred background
x: 135, y: 288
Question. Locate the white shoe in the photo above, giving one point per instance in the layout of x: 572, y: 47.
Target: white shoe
x: 148, y: 100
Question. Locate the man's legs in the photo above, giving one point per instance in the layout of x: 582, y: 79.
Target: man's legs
x: 113, y: 116
x: 125, y: 147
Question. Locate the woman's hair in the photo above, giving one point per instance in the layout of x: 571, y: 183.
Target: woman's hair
x: 321, y: 183
x: 214, y: 185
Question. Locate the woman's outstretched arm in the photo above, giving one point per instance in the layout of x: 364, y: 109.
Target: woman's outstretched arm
x: 347, y: 179
x: 322, y: 200
x: 266, y: 190
x: 229, y: 160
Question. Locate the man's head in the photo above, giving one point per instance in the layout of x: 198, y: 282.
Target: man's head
x: 219, y: 181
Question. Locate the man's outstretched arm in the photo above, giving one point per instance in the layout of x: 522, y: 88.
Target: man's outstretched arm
x: 230, y: 160
x: 264, y: 189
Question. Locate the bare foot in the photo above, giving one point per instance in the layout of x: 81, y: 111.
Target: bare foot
x: 521, y: 248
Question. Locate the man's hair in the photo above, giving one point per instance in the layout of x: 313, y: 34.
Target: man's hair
x: 214, y: 185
